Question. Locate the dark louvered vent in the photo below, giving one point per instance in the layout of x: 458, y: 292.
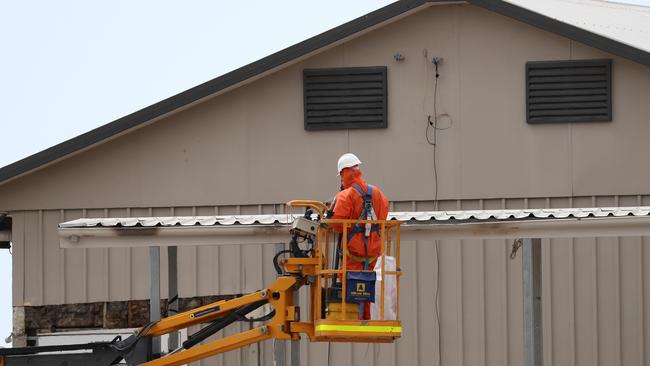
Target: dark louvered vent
x: 345, y: 98
x: 568, y: 91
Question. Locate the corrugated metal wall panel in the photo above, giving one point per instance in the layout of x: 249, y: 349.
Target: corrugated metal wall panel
x: 560, y: 291
x: 33, y: 258
x: 426, y: 299
x: 18, y: 259
x: 451, y: 322
x: 586, y: 337
x: 54, y: 263
x: 75, y: 267
x: 595, y: 301
x: 596, y: 291
x: 631, y: 280
x: 496, y: 301
x: 140, y: 263
x: 514, y: 309
x: 408, y: 344
x: 608, y: 300
x: 473, y: 301
x: 645, y: 248
x: 207, y: 266
x: 97, y: 274
x: 119, y: 285
x: 187, y: 261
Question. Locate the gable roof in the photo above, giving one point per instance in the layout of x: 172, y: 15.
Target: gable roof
x: 562, y: 25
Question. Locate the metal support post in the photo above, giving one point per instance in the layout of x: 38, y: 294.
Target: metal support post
x: 154, y: 293
x: 172, y: 303
x: 532, y: 276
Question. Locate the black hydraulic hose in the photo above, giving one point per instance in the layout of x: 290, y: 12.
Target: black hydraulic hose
x: 125, y: 345
x: 22, y: 351
x: 295, y: 249
x: 278, y: 269
x: 221, y: 323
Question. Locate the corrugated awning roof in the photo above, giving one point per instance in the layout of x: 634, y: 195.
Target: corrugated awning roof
x: 424, y: 225
x: 415, y: 217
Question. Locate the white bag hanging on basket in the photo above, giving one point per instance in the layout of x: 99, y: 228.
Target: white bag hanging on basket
x: 390, y: 291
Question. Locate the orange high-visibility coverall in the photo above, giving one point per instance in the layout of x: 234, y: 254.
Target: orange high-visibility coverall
x: 348, y: 204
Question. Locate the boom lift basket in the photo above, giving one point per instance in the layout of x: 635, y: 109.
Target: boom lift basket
x: 336, y: 307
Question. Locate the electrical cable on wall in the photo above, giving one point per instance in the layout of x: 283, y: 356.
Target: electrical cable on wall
x: 432, y: 129
x: 432, y: 138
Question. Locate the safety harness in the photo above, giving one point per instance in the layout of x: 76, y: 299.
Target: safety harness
x: 368, y: 213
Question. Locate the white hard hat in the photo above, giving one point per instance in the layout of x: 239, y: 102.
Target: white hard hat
x: 347, y: 161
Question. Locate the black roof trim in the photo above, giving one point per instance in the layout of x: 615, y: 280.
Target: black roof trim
x: 293, y: 52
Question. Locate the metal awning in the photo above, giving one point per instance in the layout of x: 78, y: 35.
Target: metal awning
x: 530, y: 225
x: 264, y: 229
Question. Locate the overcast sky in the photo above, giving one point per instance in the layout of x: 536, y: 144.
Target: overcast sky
x: 70, y: 66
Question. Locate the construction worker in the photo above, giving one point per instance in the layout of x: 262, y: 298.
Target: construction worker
x: 360, y: 201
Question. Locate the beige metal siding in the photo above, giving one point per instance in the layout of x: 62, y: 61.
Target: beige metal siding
x: 45, y: 274
x: 595, y: 291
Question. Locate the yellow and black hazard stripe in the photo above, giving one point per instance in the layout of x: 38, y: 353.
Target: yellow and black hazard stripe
x: 397, y: 330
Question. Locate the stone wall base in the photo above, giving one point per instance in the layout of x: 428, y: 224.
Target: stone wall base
x: 32, y: 320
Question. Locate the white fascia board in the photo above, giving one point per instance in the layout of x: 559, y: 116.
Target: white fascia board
x: 97, y: 237
x: 94, y: 237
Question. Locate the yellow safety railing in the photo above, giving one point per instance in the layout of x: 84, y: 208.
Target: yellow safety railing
x: 389, y: 234
x: 332, y: 320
